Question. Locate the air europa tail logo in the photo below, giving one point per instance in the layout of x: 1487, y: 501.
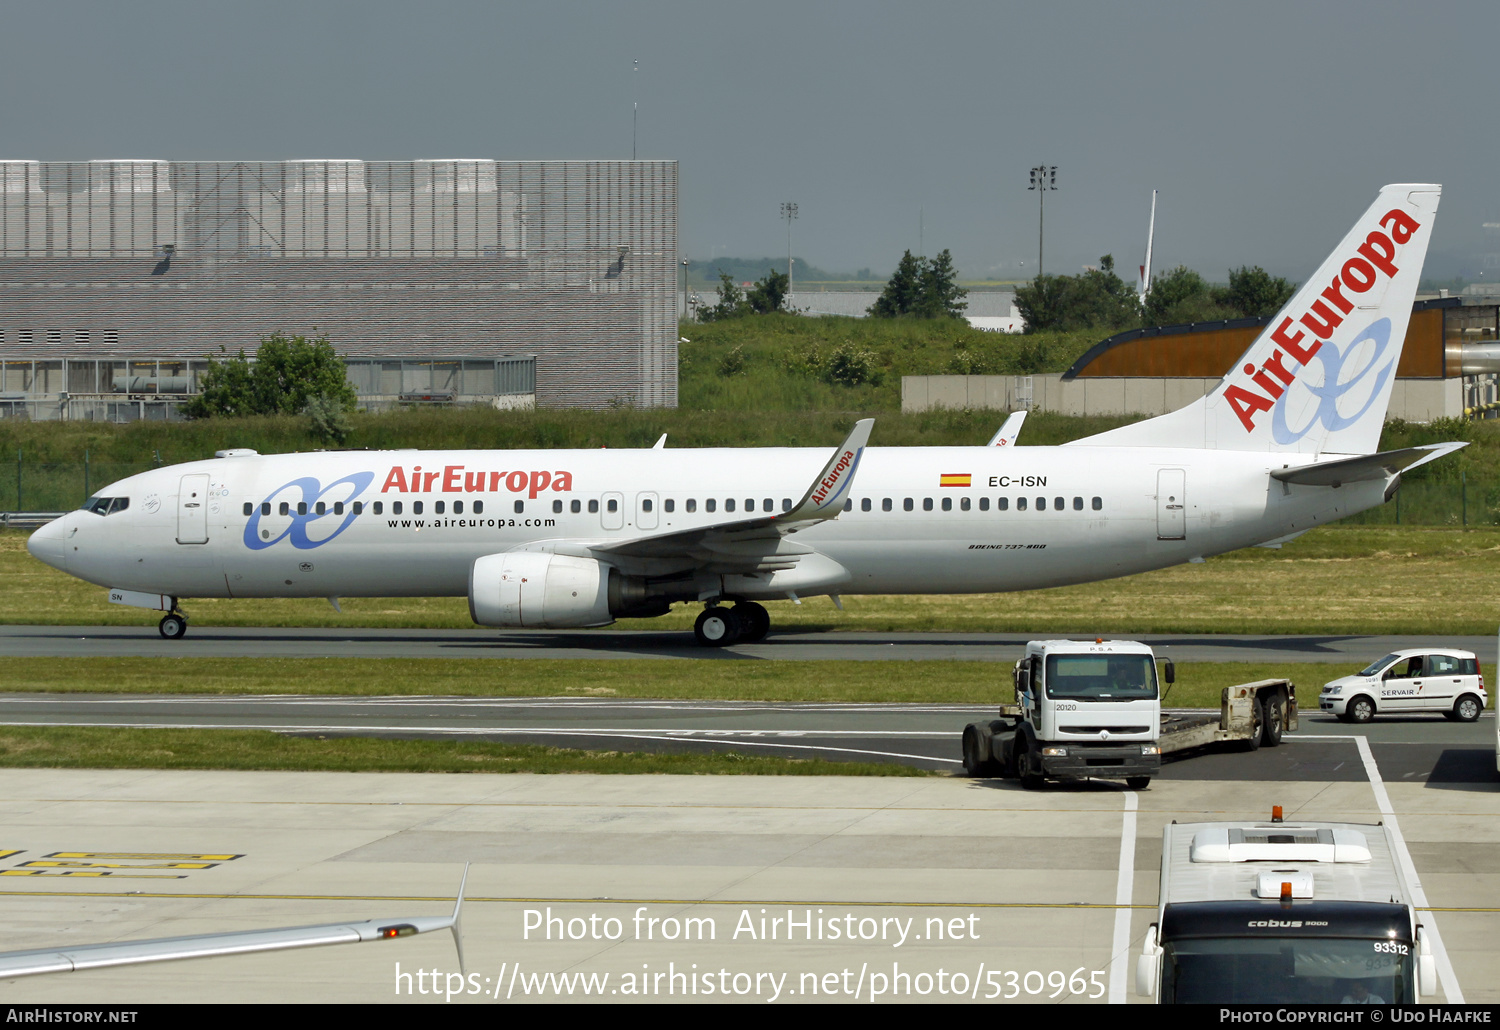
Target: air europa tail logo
x: 1263, y: 387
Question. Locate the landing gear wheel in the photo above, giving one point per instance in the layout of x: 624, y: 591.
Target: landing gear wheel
x: 1137, y: 782
x: 1271, y: 720
x: 717, y: 627
x: 755, y: 621
x: 1361, y: 709
x: 172, y: 626
x: 1467, y: 708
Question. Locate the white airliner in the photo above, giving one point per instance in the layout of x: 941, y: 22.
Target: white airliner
x: 552, y: 539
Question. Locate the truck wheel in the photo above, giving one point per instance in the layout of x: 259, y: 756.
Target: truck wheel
x: 972, y: 765
x: 1137, y: 782
x: 1467, y: 708
x: 1029, y: 779
x: 1361, y: 709
x: 1271, y: 719
x: 1257, y: 728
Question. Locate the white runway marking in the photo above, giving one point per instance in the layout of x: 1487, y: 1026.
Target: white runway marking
x: 1119, y: 959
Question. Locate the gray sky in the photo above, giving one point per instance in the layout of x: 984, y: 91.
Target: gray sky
x: 1267, y: 126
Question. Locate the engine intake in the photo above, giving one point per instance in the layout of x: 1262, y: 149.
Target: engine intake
x: 539, y: 591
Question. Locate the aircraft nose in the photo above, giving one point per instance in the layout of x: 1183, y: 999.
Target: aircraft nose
x: 47, y: 544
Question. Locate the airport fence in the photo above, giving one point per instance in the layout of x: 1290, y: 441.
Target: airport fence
x: 27, y: 485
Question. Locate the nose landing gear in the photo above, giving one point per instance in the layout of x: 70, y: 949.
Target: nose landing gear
x: 173, y: 626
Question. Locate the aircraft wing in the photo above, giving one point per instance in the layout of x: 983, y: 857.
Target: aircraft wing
x: 751, y: 545
x: 1364, y: 466
x: 15, y: 964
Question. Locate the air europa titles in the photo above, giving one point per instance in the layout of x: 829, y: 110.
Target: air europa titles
x: 1375, y: 257
x: 457, y: 479
x: 835, y: 474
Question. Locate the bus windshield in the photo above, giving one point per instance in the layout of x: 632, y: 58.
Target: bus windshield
x: 1098, y: 677
x: 1296, y: 970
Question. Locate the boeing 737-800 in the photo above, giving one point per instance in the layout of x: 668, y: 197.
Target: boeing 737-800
x: 552, y: 539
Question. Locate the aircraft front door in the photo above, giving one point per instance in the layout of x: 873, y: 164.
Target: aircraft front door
x: 1171, y: 504
x: 192, y: 510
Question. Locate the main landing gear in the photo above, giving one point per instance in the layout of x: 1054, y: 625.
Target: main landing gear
x: 745, y: 623
x: 173, y: 626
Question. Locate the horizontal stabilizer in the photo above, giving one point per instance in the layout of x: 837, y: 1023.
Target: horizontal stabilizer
x: 1363, y: 467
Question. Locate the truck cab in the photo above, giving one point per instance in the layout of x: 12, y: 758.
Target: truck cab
x: 1082, y: 709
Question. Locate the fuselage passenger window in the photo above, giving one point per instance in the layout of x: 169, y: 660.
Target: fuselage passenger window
x: 322, y: 510
x: 557, y: 507
x: 710, y: 505
x: 378, y: 507
x: 947, y: 504
x: 574, y: 506
x: 729, y: 504
x: 338, y: 507
x: 1041, y: 504
x: 786, y: 504
x: 396, y: 507
x: 964, y: 504
x: 669, y: 505
x: 1059, y: 503
x: 458, y: 507
x: 416, y: 507
x: 927, y: 504
x: 1078, y: 504
x: 613, y: 505
x: 885, y: 505
x: 359, y: 507
x: 984, y: 504
x: 907, y: 504
x: 521, y: 506
x: 645, y: 504
x: 692, y: 505
x: 479, y: 507
x: 593, y: 507
x: 249, y: 507
x: 1002, y: 504
x: 848, y: 504
x: 1098, y: 503
x: 439, y: 507
x: 265, y: 507
x: 301, y: 507
x: 864, y: 505
x: 1020, y: 504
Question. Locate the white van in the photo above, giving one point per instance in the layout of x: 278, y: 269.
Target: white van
x: 1419, y: 679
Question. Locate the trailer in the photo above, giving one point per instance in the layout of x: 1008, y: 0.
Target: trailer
x: 1093, y: 709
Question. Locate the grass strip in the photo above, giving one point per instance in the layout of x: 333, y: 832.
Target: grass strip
x: 89, y: 747
x: 1198, y: 683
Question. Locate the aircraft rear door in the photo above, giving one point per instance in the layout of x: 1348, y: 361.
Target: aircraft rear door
x: 192, y: 509
x: 1171, y: 504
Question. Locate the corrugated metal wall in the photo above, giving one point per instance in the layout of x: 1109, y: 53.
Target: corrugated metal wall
x: 574, y: 261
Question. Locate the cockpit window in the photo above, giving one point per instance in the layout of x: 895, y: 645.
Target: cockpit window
x: 106, y: 505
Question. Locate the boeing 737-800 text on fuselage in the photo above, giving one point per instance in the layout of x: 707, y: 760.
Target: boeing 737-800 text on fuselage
x: 552, y: 539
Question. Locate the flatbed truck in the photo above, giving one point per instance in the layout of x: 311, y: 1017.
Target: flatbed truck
x: 1093, y: 709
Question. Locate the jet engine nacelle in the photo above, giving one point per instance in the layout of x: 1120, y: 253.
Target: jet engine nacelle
x: 536, y: 590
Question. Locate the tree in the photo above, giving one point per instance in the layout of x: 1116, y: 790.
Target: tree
x: 1254, y: 294
x: 1097, y: 299
x: 922, y: 289
x: 768, y: 293
x: 1181, y: 296
x: 731, y: 301
x: 286, y: 374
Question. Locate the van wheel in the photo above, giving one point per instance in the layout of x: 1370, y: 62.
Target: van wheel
x: 1137, y: 782
x: 1361, y: 709
x: 973, y: 764
x: 1271, y: 719
x: 1467, y: 708
x: 1029, y: 779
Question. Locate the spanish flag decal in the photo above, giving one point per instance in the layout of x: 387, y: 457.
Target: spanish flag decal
x: 954, y: 479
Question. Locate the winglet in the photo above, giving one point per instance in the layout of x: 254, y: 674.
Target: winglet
x: 1009, y: 430
x: 457, y: 926
x: 825, y: 498
x: 660, y: 444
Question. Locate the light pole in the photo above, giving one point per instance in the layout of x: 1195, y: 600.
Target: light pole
x: 684, y: 286
x: 789, y: 212
x: 1043, y: 178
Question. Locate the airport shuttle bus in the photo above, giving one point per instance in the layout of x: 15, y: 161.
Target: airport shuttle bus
x: 1276, y: 912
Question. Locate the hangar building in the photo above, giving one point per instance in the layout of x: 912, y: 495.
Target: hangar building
x: 475, y: 280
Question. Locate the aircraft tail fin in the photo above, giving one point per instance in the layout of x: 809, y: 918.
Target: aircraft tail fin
x: 1319, y: 378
